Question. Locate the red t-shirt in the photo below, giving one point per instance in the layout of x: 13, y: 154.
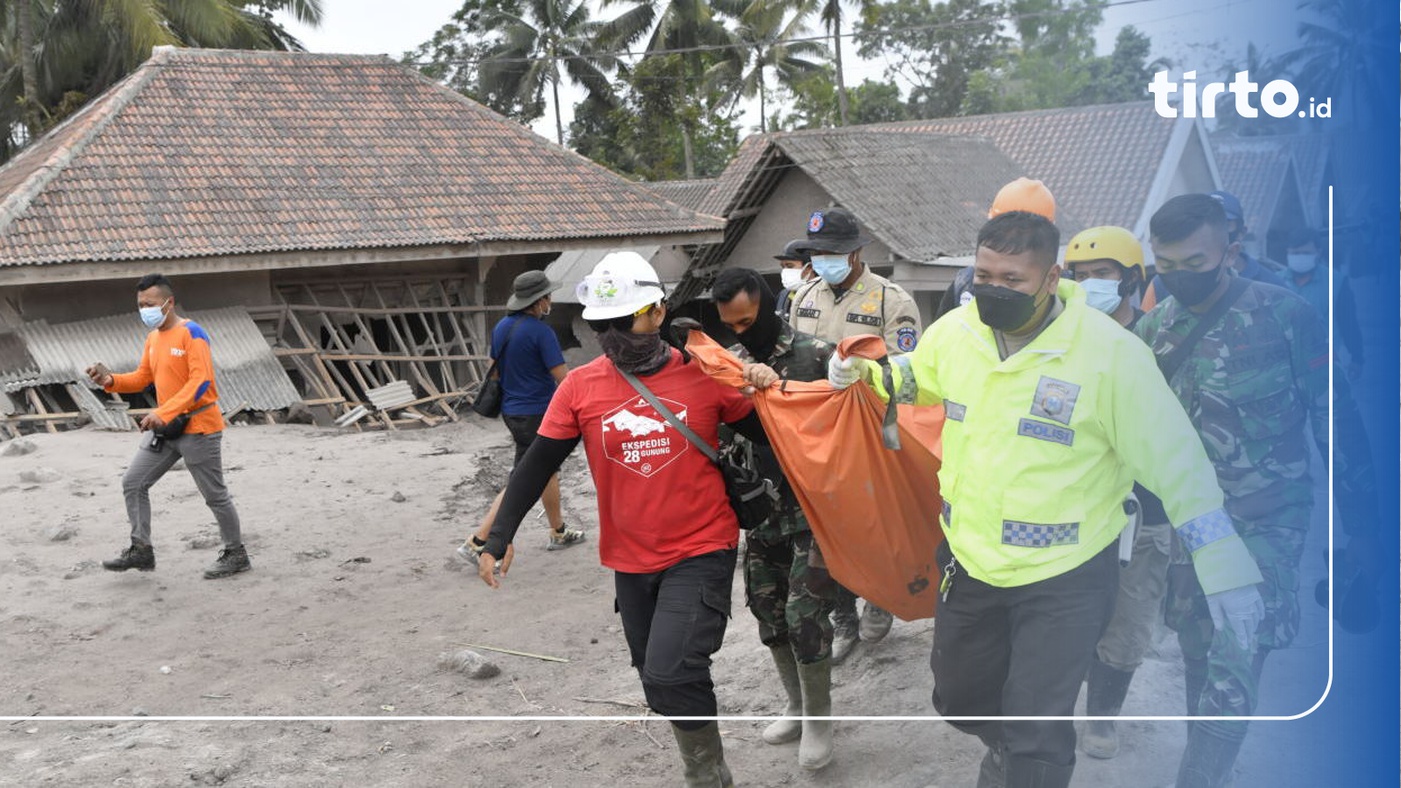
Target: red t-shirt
x: 660, y: 500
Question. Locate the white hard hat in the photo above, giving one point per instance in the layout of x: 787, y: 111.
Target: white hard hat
x: 623, y: 283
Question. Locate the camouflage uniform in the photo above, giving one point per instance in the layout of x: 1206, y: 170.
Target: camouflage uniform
x: 785, y: 579
x: 1249, y: 386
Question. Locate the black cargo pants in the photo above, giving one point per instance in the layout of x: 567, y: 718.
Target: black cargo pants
x: 674, y: 620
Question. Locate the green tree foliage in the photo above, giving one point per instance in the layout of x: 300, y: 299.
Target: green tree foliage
x: 1123, y: 74
x: 814, y: 103
x: 1050, y: 67
x: 831, y: 16
x: 453, y: 57
x: 653, y: 133
x: 934, y: 47
x: 55, y: 54
x: 765, y: 32
x: 689, y: 36
x: 1052, y: 63
x: 1343, y: 43
x: 877, y: 102
x: 544, y: 42
x: 1340, y: 48
x: 812, y: 100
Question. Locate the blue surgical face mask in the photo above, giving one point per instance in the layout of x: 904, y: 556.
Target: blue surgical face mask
x: 833, y: 268
x: 153, y: 316
x: 1102, y: 294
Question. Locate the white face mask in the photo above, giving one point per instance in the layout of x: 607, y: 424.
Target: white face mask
x: 790, y: 277
x: 153, y: 316
x: 1102, y: 294
x: 1302, y: 263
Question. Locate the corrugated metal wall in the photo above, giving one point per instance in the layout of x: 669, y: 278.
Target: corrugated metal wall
x: 246, y: 370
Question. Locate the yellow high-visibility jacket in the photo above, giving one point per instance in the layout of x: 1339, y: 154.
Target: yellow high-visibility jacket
x: 1041, y: 449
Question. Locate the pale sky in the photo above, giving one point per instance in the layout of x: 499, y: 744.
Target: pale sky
x: 1193, y: 33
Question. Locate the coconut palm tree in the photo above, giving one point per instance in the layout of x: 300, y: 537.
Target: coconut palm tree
x: 831, y: 16
x: 546, y: 41
x: 1337, y: 54
x: 686, y: 29
x: 764, y: 31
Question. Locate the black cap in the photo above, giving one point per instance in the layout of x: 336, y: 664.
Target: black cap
x: 793, y: 251
x: 834, y: 230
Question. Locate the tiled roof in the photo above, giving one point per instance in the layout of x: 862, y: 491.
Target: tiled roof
x: 923, y: 195
x: 687, y: 194
x: 1099, y: 161
x: 724, y: 196
x: 1311, y: 153
x: 211, y: 152
x: 1256, y: 171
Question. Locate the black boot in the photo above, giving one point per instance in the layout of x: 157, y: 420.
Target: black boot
x: 1207, y: 761
x: 1105, y: 691
x: 231, y: 561
x: 1195, y: 683
x: 141, y: 557
x: 1032, y: 773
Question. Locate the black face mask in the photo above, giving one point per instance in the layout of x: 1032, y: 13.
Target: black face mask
x: 639, y: 354
x: 761, y: 337
x: 1193, y: 287
x: 1004, y: 309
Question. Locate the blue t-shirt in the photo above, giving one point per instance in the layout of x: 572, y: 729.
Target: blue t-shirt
x: 526, y: 382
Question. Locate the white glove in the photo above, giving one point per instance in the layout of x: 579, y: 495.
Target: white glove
x: 842, y: 372
x: 1239, y: 611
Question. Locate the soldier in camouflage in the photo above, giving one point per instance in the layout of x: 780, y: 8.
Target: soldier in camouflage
x: 1250, y: 385
x: 786, y: 581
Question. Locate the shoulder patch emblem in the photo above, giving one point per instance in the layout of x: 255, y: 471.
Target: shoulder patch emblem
x: 905, y: 338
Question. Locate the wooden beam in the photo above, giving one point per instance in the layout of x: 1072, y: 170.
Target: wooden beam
x: 386, y: 311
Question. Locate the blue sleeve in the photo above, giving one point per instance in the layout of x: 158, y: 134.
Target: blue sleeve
x: 550, y: 353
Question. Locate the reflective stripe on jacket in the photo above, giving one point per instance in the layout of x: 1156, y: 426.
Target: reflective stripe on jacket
x: 1041, y: 449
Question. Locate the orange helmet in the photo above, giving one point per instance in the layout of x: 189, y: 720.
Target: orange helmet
x: 1024, y: 194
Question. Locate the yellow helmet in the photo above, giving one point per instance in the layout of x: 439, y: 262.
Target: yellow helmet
x: 1106, y: 243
